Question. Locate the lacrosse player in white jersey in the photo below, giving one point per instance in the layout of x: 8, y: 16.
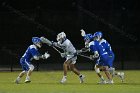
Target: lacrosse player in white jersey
x: 69, y: 54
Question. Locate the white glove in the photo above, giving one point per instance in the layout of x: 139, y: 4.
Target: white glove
x: 91, y: 57
x: 86, y: 44
x: 63, y: 55
x: 54, y: 43
x: 94, y: 56
x: 79, y: 51
x: 83, y: 33
x: 46, y: 55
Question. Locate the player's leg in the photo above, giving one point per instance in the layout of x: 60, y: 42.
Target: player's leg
x: 21, y: 74
x: 120, y: 75
x: 31, y: 68
x: 108, y: 75
x: 108, y: 63
x: 72, y: 62
x: 112, y: 69
x: 97, y: 70
x: 65, y: 69
x: 74, y: 69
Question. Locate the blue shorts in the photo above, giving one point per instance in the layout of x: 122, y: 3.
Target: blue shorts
x: 25, y: 64
x: 111, y: 60
x: 106, y: 60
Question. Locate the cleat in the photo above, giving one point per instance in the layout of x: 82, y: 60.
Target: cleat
x: 82, y: 78
x: 102, y: 82
x: 63, y: 80
x: 17, y: 81
x: 110, y: 82
x: 122, y: 76
x: 27, y: 81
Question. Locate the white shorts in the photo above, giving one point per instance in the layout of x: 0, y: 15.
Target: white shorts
x: 72, y: 58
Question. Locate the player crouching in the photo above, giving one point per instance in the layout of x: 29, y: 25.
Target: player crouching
x: 30, y: 54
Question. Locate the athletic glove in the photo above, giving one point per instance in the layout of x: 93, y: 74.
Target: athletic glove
x: 54, y: 43
x: 92, y: 57
x: 63, y: 55
x: 46, y: 55
x: 79, y: 51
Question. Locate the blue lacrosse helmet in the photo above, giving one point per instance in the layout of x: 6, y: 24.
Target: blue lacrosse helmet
x: 36, y: 40
x: 88, y: 37
x: 98, y: 34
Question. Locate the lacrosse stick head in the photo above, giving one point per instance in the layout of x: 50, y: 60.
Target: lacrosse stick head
x: 45, y: 40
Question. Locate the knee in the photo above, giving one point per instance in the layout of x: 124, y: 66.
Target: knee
x: 72, y: 67
x: 23, y: 72
x: 97, y: 70
x: 65, y: 64
x: 105, y: 68
x: 31, y: 67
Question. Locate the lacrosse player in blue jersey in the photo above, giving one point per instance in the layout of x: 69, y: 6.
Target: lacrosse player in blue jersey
x: 98, y: 36
x: 99, y: 54
x: 30, y: 54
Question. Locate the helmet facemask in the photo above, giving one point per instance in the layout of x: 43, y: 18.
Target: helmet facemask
x: 61, y: 37
x: 39, y: 44
x: 97, y: 38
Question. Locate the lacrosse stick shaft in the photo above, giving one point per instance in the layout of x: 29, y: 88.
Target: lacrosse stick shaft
x: 85, y: 56
x: 57, y: 50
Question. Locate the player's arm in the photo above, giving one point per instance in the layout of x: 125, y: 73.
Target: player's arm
x: 59, y: 45
x: 82, y: 50
x: 95, y: 51
x: 36, y: 55
x: 44, y: 56
x: 85, y: 49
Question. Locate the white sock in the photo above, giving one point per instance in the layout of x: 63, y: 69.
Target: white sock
x: 80, y: 75
x: 18, y: 78
x: 27, y: 77
x: 102, y: 78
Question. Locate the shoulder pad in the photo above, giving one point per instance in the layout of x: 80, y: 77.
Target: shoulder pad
x: 32, y: 46
x: 103, y: 41
x: 91, y: 43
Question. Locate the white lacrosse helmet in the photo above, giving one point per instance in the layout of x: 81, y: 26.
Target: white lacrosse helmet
x: 60, y: 36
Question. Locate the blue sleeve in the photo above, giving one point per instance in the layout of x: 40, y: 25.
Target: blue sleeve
x: 104, y: 44
x: 93, y: 48
x: 34, y: 52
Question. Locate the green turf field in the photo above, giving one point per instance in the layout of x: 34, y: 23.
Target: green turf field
x: 48, y: 82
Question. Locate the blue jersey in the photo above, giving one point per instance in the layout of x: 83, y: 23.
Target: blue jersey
x: 104, y: 59
x: 107, y: 47
x: 96, y: 46
x: 30, y: 53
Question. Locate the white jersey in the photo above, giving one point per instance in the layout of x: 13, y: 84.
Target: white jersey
x: 68, y: 47
x: 69, y: 50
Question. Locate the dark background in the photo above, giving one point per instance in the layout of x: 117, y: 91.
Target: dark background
x: 20, y: 20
